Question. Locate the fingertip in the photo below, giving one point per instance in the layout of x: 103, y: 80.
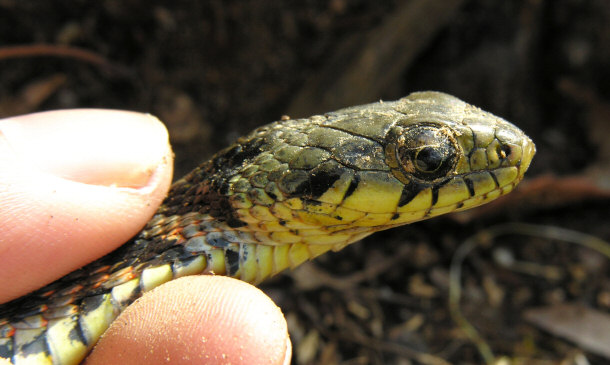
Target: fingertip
x: 199, y: 319
x: 74, y: 185
x: 90, y: 146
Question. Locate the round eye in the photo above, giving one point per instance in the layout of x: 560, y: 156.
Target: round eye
x: 425, y: 152
x: 428, y: 159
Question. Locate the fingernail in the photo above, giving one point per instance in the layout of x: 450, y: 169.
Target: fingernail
x: 288, y: 357
x: 91, y: 146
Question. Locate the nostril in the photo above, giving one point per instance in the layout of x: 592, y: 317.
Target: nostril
x: 503, y: 151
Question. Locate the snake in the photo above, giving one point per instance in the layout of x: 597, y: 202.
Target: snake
x: 285, y: 193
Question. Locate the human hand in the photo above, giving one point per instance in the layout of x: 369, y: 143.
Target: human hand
x: 76, y: 184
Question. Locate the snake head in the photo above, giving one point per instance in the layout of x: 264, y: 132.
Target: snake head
x: 392, y: 163
x: 332, y: 179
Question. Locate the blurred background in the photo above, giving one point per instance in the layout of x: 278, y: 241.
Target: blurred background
x: 213, y: 70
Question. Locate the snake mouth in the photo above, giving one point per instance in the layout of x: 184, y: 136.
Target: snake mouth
x: 529, y: 150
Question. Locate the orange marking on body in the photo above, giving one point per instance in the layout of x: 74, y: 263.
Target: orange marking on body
x: 101, y: 269
x: 74, y: 289
x: 101, y: 281
x: 48, y: 293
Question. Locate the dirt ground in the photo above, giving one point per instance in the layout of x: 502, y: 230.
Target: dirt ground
x: 213, y: 70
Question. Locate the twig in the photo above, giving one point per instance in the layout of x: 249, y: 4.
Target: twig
x: 52, y: 50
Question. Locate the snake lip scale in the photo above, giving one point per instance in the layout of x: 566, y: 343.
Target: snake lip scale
x: 283, y: 194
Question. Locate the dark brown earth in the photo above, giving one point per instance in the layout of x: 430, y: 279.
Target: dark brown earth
x: 213, y: 70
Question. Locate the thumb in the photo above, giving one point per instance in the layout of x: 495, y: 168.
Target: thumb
x: 74, y: 185
x: 197, y: 320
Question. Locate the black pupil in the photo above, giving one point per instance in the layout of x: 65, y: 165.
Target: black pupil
x: 425, y: 153
x: 428, y: 159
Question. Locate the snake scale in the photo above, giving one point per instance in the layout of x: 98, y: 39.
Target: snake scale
x: 287, y: 192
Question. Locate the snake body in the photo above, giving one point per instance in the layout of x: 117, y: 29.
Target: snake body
x: 287, y: 192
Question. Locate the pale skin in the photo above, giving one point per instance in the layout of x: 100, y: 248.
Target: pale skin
x: 76, y: 184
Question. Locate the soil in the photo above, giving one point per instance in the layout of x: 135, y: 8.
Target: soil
x: 213, y: 70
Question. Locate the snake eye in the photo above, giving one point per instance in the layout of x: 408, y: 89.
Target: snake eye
x: 425, y: 152
x: 428, y: 160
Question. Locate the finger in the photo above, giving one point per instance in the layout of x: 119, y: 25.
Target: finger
x: 74, y: 185
x: 197, y: 320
